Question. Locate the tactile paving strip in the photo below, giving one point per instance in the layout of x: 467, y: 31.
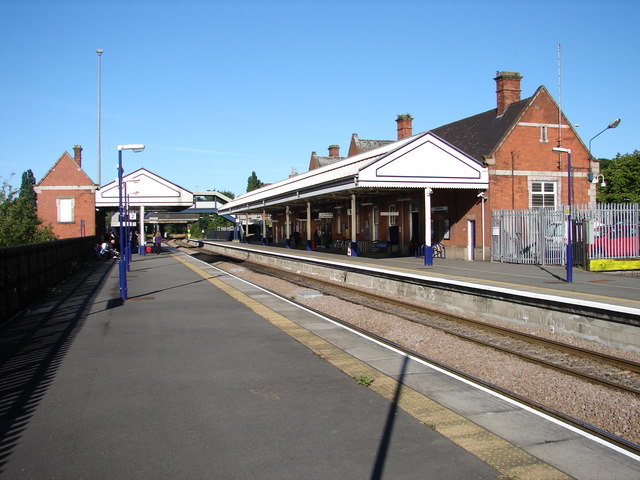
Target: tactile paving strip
x: 511, y: 461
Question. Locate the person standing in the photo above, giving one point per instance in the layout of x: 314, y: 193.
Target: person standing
x: 158, y: 243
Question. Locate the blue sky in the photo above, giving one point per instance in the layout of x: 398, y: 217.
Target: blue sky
x: 218, y: 89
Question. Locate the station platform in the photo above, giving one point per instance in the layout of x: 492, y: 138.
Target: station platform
x: 616, y: 288
x: 201, y: 375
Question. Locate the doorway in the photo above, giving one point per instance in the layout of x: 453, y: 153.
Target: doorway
x: 471, y: 239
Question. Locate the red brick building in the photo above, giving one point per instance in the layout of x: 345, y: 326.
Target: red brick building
x: 66, y: 197
x: 441, y: 184
x: 515, y: 141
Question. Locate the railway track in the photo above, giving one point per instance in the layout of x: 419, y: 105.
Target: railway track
x: 604, y: 370
x: 598, y: 368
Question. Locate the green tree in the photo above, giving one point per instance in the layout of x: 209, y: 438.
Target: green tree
x: 26, y: 188
x: 253, y: 182
x: 622, y: 176
x: 19, y: 223
x: 203, y: 227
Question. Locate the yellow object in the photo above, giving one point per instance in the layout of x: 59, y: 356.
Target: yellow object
x: 608, y: 265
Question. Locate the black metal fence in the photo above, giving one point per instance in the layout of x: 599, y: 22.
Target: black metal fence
x: 27, y: 271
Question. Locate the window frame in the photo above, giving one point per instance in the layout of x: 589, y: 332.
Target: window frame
x: 65, y: 209
x: 543, y: 193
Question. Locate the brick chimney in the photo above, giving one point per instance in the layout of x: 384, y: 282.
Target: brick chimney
x: 405, y: 128
x: 334, y: 151
x: 77, y: 155
x: 507, y: 89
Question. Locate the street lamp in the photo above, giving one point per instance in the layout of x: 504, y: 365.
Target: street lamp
x: 597, y: 179
x: 99, y: 51
x: 122, y: 264
x: 569, y: 259
x: 613, y: 124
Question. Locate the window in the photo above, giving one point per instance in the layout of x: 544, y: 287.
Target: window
x: 392, y: 218
x: 543, y: 195
x: 543, y: 134
x: 446, y: 229
x: 376, y: 223
x: 65, y: 209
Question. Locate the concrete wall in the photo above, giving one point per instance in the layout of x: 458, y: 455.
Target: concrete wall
x: 586, y: 320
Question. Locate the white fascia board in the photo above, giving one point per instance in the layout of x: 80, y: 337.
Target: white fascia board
x: 426, y: 161
x: 344, y: 169
x: 482, y: 185
x: 283, y: 200
x: 144, y: 188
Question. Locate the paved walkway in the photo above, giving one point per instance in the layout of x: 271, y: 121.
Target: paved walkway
x: 199, y: 375
x: 183, y: 381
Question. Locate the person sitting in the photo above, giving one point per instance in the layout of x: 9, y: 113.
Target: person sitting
x: 107, y: 251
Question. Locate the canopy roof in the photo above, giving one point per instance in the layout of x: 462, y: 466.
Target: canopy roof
x: 420, y: 161
x: 147, y: 189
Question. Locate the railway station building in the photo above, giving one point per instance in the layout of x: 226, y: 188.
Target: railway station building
x: 434, y: 188
x: 66, y: 197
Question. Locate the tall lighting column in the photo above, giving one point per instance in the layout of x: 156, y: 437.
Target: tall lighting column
x: 99, y: 147
x: 122, y: 264
x: 569, y: 259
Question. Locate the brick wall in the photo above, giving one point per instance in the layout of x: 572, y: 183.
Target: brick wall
x: 67, y: 180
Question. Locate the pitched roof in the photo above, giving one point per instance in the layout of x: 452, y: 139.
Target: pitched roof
x: 480, y: 135
x: 359, y: 145
x: 66, y: 158
x: 394, y: 165
x: 319, y: 162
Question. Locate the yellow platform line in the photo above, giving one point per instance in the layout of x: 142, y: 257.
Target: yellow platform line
x: 509, y: 460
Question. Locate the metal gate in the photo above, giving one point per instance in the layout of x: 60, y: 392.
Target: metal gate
x: 539, y: 236
x: 536, y: 237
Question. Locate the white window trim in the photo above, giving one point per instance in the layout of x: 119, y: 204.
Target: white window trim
x: 65, y: 207
x: 392, y: 218
x: 555, y: 193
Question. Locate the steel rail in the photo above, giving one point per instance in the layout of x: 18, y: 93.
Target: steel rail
x: 584, y: 426
x: 624, y: 364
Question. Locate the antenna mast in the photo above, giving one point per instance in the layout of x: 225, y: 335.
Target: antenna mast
x: 559, y: 101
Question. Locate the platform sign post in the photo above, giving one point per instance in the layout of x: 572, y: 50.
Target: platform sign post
x: 428, y: 248
x: 569, y: 246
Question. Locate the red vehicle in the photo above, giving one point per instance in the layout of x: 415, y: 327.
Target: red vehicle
x: 617, y: 241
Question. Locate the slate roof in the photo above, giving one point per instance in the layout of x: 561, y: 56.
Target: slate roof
x: 480, y: 135
x: 319, y: 162
x: 359, y: 145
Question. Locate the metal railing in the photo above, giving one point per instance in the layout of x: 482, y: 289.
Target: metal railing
x: 539, y: 236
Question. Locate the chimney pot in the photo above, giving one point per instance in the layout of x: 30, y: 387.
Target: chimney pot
x: 334, y: 151
x: 77, y: 155
x: 405, y: 126
x: 507, y: 90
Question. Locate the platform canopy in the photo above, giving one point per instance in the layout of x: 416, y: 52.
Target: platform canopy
x: 148, y: 190
x: 421, y: 161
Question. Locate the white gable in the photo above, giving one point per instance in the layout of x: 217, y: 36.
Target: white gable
x: 145, y: 188
x: 427, y: 162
